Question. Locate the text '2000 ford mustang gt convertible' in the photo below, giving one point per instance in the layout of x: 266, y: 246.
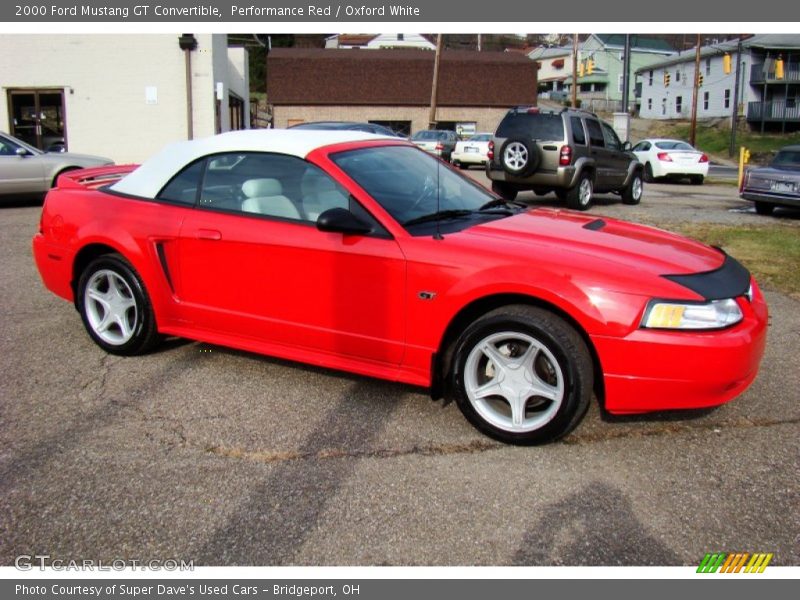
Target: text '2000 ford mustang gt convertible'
x: 364, y: 253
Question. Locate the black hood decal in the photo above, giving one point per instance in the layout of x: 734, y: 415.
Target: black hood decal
x: 729, y: 281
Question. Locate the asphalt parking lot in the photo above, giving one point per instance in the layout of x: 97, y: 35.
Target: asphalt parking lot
x: 200, y: 453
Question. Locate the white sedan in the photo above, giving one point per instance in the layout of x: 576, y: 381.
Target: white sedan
x: 472, y: 151
x: 671, y: 158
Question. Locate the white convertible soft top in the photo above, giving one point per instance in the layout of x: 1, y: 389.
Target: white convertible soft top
x: 147, y: 180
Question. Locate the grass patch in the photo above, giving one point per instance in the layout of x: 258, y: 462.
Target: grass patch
x: 771, y: 253
x: 716, y: 140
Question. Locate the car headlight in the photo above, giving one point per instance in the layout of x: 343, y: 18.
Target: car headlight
x: 716, y: 314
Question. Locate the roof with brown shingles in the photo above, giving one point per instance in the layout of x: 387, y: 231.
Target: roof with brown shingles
x: 311, y: 76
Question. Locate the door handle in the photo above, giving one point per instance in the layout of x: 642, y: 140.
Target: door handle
x: 208, y: 234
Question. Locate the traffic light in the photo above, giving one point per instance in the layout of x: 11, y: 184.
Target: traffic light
x: 726, y: 64
x: 779, y: 68
x: 590, y: 66
x: 666, y: 78
x: 700, y: 80
x: 581, y: 70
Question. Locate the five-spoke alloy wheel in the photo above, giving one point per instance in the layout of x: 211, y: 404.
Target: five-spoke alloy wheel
x: 115, y: 307
x: 522, y: 375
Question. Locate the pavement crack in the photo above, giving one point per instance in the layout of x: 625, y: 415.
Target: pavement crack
x: 279, y: 456
x: 665, y: 429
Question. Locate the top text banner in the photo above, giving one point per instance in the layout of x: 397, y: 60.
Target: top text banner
x: 407, y: 11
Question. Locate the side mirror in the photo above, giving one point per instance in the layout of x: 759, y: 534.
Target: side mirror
x: 341, y: 220
x: 21, y: 152
x: 626, y: 147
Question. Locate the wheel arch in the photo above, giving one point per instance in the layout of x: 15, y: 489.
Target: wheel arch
x: 441, y: 362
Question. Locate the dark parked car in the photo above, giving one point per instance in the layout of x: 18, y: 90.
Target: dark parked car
x: 347, y: 126
x: 775, y: 185
x: 571, y: 152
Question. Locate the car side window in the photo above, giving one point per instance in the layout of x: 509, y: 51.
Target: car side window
x: 595, y: 133
x: 7, y: 147
x: 578, y: 135
x: 641, y: 147
x: 610, y: 136
x: 182, y: 189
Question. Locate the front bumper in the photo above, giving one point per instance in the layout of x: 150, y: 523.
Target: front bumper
x: 652, y: 370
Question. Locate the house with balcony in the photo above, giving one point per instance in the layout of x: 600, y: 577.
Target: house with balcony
x: 768, y: 96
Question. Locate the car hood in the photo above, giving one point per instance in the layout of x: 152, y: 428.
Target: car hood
x: 608, y: 242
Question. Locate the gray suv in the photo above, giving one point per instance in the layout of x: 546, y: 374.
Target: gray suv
x: 571, y: 152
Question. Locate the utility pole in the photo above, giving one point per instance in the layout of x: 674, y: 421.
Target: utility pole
x: 735, y: 113
x: 435, y: 86
x: 626, y: 73
x: 695, y: 93
x: 575, y: 71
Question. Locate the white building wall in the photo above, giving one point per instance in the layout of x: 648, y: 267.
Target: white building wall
x: 659, y: 101
x: 106, y: 78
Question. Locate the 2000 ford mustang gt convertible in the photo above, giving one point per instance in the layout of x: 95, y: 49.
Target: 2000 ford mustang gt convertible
x: 365, y: 254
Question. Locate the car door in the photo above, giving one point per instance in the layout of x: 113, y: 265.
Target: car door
x: 20, y: 174
x: 618, y: 160
x: 599, y: 153
x: 268, y: 274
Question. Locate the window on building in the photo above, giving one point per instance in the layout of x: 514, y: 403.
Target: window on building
x: 678, y: 104
x: 620, y: 82
x: 677, y: 75
x: 705, y: 100
x: 649, y: 104
x: 727, y: 98
x: 708, y: 66
x: 650, y: 77
x: 401, y: 37
x: 663, y: 106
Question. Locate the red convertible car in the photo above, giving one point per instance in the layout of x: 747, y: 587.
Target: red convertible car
x: 366, y: 254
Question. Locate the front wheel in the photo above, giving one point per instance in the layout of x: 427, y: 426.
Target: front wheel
x: 115, y: 307
x: 522, y: 375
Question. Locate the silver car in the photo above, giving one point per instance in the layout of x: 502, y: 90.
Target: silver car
x: 775, y: 185
x: 27, y: 173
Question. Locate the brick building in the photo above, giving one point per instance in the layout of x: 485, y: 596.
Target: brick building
x: 393, y: 87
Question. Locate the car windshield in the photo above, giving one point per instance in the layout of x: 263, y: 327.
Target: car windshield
x: 787, y: 158
x: 428, y: 135
x: 410, y: 183
x: 673, y: 145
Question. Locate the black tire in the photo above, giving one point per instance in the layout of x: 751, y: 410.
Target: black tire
x: 461, y: 165
x: 519, y: 156
x: 116, y: 275
x: 561, y: 195
x: 632, y: 193
x: 764, y: 208
x: 558, y: 357
x: 580, y: 196
x: 541, y: 191
x: 648, y: 173
x: 696, y: 179
x: 504, y: 190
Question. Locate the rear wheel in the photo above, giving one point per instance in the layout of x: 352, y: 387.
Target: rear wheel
x: 579, y: 197
x: 632, y: 193
x: 648, y: 173
x: 522, y: 375
x: 696, y: 179
x: 115, y: 307
x: 764, y: 208
x: 504, y: 190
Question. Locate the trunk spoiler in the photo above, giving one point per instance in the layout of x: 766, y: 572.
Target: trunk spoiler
x: 94, y: 177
